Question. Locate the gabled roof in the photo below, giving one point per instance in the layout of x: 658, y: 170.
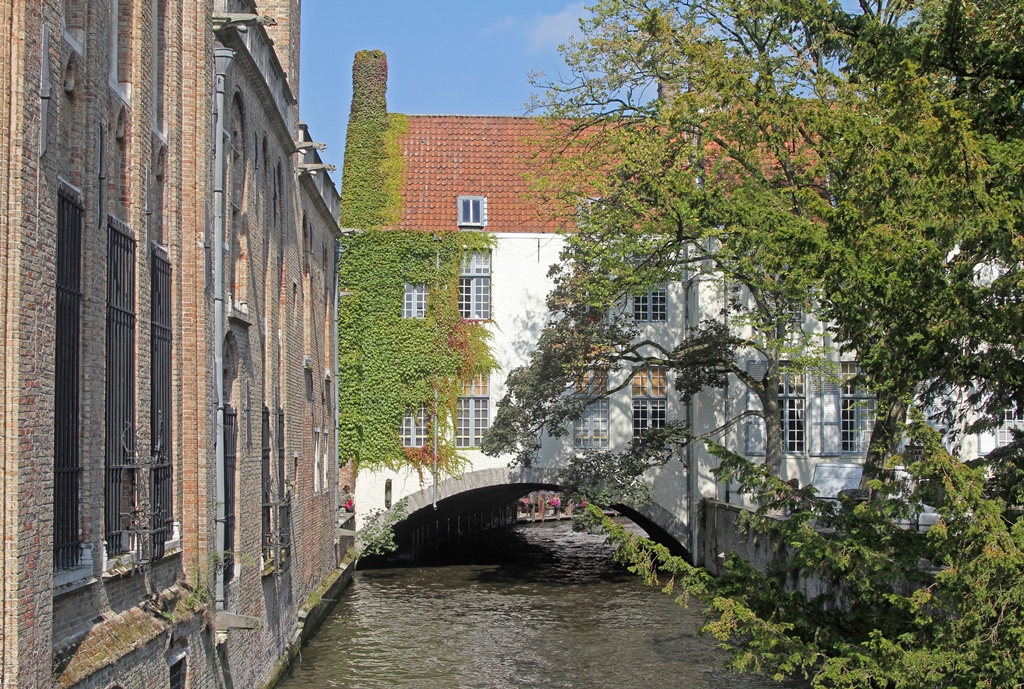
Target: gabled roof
x: 447, y: 156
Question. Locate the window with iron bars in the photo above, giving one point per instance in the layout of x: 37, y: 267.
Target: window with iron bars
x: 284, y: 510
x: 161, y: 475
x: 651, y: 306
x: 650, y: 399
x: 230, y: 469
x: 475, y: 286
x: 472, y: 412
x: 591, y: 430
x: 120, y: 469
x: 792, y: 406
x: 267, y: 490
x: 67, y: 466
x: 414, y: 428
x: 857, y: 408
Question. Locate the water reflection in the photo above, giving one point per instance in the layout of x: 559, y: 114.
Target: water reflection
x: 543, y: 607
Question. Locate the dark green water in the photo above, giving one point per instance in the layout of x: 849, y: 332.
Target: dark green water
x: 543, y: 607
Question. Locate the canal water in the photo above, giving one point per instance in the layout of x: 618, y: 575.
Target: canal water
x: 540, y: 607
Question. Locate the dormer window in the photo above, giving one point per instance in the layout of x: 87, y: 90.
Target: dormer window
x: 472, y: 211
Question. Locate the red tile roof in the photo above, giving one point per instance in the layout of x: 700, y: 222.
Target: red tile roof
x: 447, y: 156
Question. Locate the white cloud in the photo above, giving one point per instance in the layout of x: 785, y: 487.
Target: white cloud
x: 504, y: 24
x: 547, y: 31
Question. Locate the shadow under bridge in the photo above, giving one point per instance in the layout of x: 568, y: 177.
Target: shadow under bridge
x: 484, y: 502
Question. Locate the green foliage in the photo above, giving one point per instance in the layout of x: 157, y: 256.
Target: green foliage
x: 389, y: 365
x: 377, y: 537
x: 372, y: 176
x: 897, y: 609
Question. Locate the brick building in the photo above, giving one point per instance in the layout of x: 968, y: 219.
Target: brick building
x: 168, y: 250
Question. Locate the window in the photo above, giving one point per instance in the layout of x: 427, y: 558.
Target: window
x: 472, y: 412
x: 472, y: 211
x: 178, y: 672
x: 67, y: 466
x: 161, y: 473
x: 651, y: 306
x: 475, y: 286
x: 119, y: 469
x: 857, y: 408
x: 316, y: 462
x: 791, y: 411
x: 414, y: 428
x: 230, y: 467
x: 268, y: 496
x: 284, y: 500
x: 1004, y: 434
x: 415, y: 303
x: 650, y: 399
x: 591, y: 430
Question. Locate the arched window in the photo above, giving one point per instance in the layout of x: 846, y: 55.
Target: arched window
x: 239, y: 265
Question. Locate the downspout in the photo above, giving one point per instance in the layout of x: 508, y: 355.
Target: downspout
x: 222, y: 59
x: 437, y: 272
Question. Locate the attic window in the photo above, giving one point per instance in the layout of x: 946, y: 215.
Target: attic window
x: 472, y: 211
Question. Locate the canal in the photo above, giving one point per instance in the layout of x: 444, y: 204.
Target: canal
x: 538, y: 607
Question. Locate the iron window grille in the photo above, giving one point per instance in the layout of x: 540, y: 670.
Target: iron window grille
x: 792, y: 409
x: 284, y: 497
x: 651, y: 306
x: 161, y: 475
x: 230, y: 469
x: 472, y: 211
x: 591, y: 430
x: 267, y: 490
x: 650, y: 399
x: 414, y: 304
x: 857, y: 409
x: 120, y: 469
x: 414, y: 428
x: 472, y: 412
x: 475, y: 286
x: 178, y: 671
x: 67, y: 367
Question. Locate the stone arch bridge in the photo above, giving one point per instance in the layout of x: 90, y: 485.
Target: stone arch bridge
x: 484, y: 499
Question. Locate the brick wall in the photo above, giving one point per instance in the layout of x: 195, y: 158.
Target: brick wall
x: 138, y: 147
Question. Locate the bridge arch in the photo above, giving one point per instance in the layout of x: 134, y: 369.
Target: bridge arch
x: 476, y: 492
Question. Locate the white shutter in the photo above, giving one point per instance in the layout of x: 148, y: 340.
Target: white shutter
x: 755, y: 424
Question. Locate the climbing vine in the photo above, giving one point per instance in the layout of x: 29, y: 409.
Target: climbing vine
x: 390, y: 365
x: 372, y: 175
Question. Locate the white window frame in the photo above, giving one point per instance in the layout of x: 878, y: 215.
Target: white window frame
x: 1004, y: 435
x: 651, y: 306
x: 414, y: 303
x: 475, y: 286
x: 857, y: 409
x: 473, y: 416
x: 316, y: 462
x: 793, y: 411
x: 414, y: 427
x: 590, y: 432
x: 650, y: 399
x: 472, y: 211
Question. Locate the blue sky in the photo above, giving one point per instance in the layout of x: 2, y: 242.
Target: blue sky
x: 467, y: 57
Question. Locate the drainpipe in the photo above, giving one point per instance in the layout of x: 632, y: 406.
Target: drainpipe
x: 222, y: 59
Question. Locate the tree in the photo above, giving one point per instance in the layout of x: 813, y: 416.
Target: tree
x: 865, y: 165
x: 713, y: 181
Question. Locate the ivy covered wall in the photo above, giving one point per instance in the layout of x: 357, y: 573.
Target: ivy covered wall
x: 389, y: 365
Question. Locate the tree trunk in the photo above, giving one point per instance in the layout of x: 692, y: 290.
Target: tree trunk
x: 773, y: 440
x: 885, y: 437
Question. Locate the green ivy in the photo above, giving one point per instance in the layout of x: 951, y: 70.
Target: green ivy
x: 389, y: 365
x: 371, y: 180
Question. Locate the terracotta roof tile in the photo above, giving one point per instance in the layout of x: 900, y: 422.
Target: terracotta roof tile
x: 447, y: 156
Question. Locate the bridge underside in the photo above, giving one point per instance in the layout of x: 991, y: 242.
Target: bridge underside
x: 484, y: 499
